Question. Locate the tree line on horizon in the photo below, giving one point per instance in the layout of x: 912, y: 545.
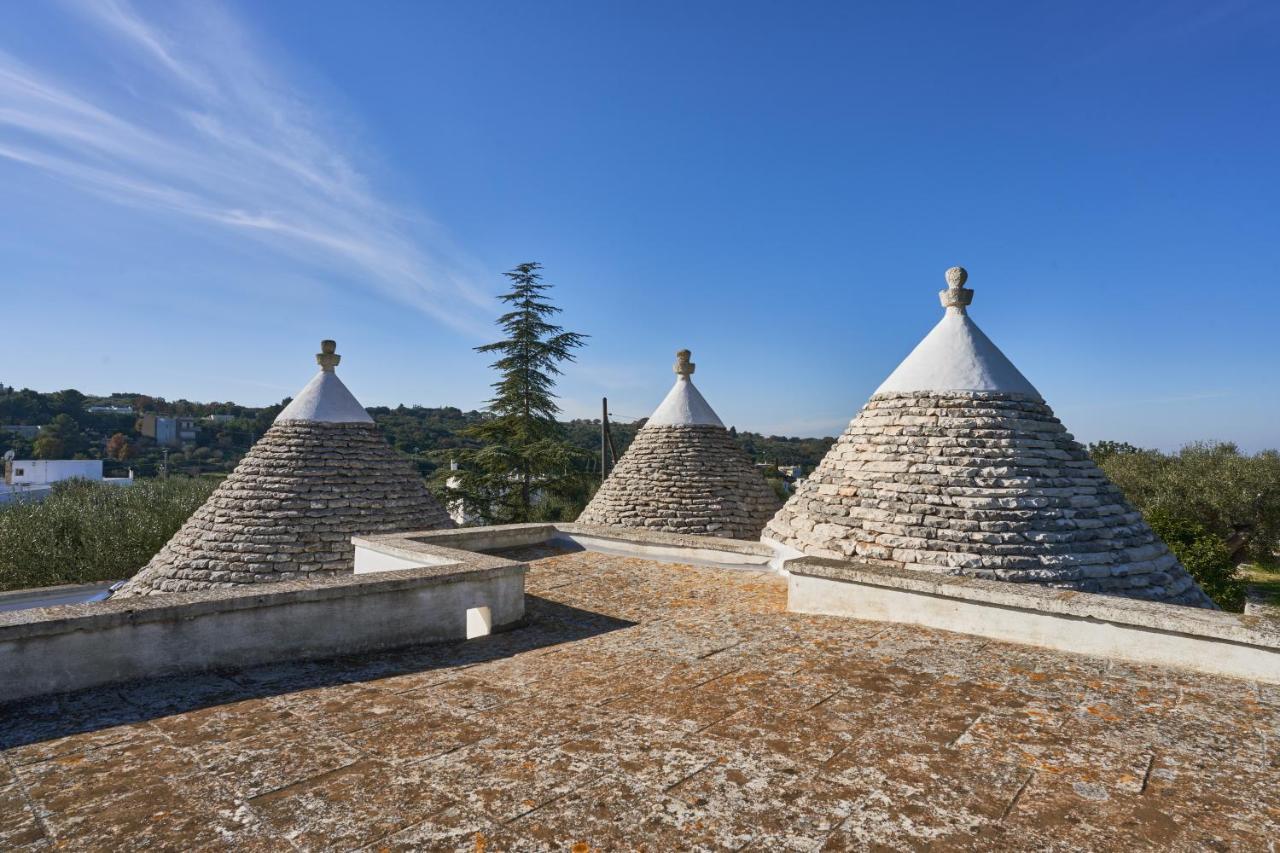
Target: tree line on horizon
x: 518, y: 434
x: 430, y: 436
x: 1217, y: 507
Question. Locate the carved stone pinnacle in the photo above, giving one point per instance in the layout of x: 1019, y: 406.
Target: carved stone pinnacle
x: 684, y: 367
x: 956, y: 297
x: 328, y: 358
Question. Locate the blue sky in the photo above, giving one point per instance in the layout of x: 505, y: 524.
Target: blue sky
x: 194, y: 194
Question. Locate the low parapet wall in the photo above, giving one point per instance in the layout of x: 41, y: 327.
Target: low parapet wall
x: 667, y: 547
x: 1108, y: 626
x: 412, y: 588
x: 388, y: 551
x: 57, y: 649
x: 393, y: 550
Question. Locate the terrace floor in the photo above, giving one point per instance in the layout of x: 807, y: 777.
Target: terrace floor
x: 659, y: 707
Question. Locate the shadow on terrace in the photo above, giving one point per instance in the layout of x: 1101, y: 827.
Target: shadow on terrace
x: 547, y: 624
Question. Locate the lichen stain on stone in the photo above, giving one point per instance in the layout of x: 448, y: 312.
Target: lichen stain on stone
x: 1102, y: 711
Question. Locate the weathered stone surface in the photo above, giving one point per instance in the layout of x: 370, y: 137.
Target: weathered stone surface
x: 981, y: 483
x: 655, y: 707
x: 691, y: 478
x: 290, y: 508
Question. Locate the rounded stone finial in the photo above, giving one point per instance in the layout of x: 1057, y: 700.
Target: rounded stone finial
x: 956, y: 297
x: 328, y: 358
x: 684, y: 367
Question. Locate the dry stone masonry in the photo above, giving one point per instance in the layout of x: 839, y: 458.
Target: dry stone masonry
x: 684, y: 473
x: 957, y: 465
x: 291, y: 506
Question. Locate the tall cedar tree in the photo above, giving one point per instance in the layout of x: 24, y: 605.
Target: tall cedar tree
x: 525, y: 466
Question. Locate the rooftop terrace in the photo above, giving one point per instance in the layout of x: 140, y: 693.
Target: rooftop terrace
x: 657, y: 706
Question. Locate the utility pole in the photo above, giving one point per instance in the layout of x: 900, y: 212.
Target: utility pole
x: 164, y: 465
x: 613, y: 451
x: 604, y: 438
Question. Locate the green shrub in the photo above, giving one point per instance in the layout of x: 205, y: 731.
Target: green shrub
x: 1233, y: 495
x: 1205, y: 555
x: 84, y: 531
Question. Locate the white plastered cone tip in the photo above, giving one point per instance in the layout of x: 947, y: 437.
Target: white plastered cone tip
x: 325, y: 399
x: 684, y: 405
x: 956, y: 355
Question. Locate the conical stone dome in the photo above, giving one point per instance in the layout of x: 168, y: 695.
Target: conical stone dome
x: 684, y: 473
x: 321, y: 474
x: 957, y: 465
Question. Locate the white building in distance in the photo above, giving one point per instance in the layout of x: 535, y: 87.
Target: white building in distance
x: 32, y: 479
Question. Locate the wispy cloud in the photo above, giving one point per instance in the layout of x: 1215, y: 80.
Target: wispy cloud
x: 188, y: 118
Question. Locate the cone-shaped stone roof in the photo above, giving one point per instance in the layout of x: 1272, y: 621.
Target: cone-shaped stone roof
x: 321, y: 474
x: 957, y: 465
x: 684, y: 473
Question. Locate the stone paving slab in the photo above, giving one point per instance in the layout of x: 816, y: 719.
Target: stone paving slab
x: 655, y: 707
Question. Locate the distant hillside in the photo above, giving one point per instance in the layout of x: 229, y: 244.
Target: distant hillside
x: 427, y: 435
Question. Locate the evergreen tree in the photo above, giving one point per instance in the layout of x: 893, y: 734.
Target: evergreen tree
x: 525, y: 468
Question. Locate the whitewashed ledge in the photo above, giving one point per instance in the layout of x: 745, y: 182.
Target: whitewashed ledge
x: 452, y: 595
x: 1228, y: 644
x: 433, y: 586
x: 406, y: 589
x: 710, y: 551
x: 390, y: 551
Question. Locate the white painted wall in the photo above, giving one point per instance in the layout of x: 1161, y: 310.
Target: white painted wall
x: 1061, y: 632
x: 369, y: 560
x: 624, y: 546
x: 46, y: 471
x: 85, y: 645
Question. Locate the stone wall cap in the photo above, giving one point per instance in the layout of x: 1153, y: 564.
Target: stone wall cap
x: 641, y: 536
x: 432, y: 541
x: 1156, y: 616
x: 453, y: 566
